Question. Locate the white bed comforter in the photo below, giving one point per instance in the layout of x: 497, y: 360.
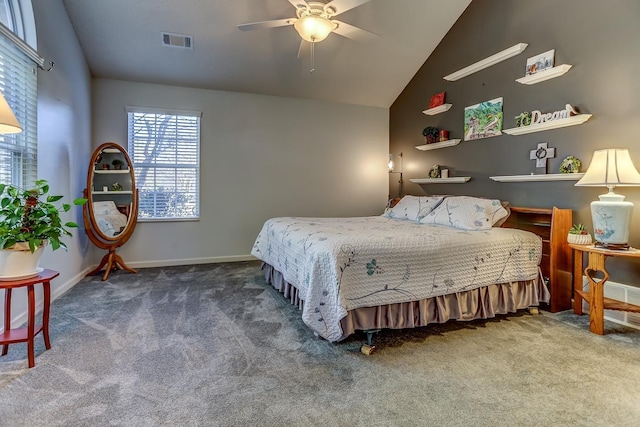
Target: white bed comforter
x: 339, y: 264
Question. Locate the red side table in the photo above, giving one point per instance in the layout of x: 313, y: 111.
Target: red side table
x: 12, y: 336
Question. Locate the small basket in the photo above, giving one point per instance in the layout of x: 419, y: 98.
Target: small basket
x: 579, y: 239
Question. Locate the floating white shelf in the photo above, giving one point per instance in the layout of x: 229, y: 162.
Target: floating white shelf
x: 487, y: 62
x: 436, y: 145
x: 553, y: 124
x: 111, y: 150
x: 545, y: 177
x: 541, y: 76
x: 113, y: 192
x: 452, y: 180
x: 437, y: 110
x: 111, y: 171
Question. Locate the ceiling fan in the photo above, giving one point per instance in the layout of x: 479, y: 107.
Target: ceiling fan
x: 314, y: 22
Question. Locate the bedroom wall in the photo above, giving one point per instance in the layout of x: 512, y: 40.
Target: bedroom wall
x: 261, y: 156
x: 64, y: 142
x: 600, y: 39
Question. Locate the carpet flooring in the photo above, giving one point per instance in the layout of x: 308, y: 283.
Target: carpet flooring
x: 213, y: 345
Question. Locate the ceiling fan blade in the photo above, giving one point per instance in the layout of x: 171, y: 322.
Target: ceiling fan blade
x: 353, y: 33
x: 266, y: 24
x: 341, y: 6
x: 297, y: 3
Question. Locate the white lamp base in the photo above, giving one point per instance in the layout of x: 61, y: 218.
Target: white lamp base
x: 611, y: 217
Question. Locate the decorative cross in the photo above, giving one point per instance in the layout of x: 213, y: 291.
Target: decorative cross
x: 541, y: 154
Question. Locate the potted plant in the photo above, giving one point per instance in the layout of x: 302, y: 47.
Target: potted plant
x: 431, y: 134
x: 570, y: 164
x: 117, y: 164
x: 29, y: 219
x: 578, y: 235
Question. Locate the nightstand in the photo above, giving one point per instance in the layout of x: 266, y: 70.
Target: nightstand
x: 595, y: 297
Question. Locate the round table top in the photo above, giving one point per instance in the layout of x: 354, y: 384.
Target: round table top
x: 631, y: 252
x: 44, y: 276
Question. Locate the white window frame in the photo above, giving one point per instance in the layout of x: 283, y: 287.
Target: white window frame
x: 18, y: 83
x: 144, y: 166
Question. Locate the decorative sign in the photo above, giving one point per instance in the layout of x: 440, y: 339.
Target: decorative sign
x: 541, y: 154
x: 483, y: 120
x: 437, y: 100
x: 537, y: 117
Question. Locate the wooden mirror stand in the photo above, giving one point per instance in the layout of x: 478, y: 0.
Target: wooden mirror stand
x: 111, y: 211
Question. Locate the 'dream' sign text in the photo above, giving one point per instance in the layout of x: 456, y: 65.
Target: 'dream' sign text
x: 538, y: 117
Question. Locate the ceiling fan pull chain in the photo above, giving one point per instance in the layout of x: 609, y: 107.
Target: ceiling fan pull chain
x: 313, y: 57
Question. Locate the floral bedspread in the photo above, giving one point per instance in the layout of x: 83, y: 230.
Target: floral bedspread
x: 339, y: 264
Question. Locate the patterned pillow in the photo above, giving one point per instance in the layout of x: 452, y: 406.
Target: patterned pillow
x: 467, y: 213
x: 414, y: 208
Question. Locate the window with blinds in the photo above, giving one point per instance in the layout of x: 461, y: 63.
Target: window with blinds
x: 18, y: 83
x: 164, y: 147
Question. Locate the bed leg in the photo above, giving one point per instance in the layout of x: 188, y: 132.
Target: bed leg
x: 534, y: 310
x: 369, y: 348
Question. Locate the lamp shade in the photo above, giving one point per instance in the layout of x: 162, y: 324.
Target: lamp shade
x: 8, y: 122
x: 313, y: 28
x: 611, y: 167
x: 611, y: 214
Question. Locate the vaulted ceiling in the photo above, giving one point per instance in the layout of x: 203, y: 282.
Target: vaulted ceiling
x: 122, y: 39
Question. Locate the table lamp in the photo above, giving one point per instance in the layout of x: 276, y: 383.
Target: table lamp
x: 611, y: 214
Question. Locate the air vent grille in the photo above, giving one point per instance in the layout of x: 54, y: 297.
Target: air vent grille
x: 177, y: 40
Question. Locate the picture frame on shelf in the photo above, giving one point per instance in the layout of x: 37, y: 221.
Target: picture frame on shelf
x: 540, y: 62
x: 483, y: 120
x: 437, y: 100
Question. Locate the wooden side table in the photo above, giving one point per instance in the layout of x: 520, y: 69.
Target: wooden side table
x: 595, y: 297
x: 12, y: 336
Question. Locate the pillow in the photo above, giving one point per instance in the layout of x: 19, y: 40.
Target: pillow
x: 413, y: 208
x: 107, y: 207
x: 501, y: 221
x: 467, y: 213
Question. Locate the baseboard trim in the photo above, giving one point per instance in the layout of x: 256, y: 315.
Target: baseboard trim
x: 21, y: 318
x: 190, y: 261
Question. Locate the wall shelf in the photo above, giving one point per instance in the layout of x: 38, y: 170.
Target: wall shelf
x: 107, y: 171
x: 436, y: 145
x: 487, y: 62
x: 451, y: 180
x: 111, y: 150
x: 553, y: 124
x: 113, y: 192
x: 545, y: 177
x: 437, y: 110
x: 541, y: 76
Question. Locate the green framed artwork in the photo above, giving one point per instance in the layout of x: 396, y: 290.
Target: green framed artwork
x: 483, y: 120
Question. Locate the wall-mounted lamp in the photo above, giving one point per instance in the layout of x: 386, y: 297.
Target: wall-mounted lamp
x: 611, y: 214
x: 392, y: 170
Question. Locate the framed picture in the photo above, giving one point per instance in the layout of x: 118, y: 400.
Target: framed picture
x: 437, y: 100
x: 483, y: 120
x: 540, y: 62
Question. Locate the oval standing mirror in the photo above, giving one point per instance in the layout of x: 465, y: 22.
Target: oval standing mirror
x: 111, y: 212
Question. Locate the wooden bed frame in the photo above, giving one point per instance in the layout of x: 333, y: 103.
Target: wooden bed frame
x: 552, y: 225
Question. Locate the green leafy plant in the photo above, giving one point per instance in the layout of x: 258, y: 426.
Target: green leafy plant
x: 570, y: 164
x: 430, y: 131
x: 32, y: 216
x: 578, y: 229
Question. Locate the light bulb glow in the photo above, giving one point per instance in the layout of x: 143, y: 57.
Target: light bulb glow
x: 313, y: 28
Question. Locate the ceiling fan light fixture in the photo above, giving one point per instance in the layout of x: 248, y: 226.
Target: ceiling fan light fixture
x: 313, y: 28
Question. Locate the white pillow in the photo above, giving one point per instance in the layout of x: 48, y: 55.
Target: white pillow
x: 414, y: 208
x: 107, y: 207
x: 467, y: 213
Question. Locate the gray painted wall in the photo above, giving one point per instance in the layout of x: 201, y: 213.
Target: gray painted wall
x: 261, y: 156
x: 64, y: 124
x: 600, y: 39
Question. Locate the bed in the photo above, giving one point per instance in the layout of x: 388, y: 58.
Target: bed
x: 426, y: 260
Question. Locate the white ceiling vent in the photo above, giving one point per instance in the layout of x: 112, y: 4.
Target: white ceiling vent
x: 177, y: 40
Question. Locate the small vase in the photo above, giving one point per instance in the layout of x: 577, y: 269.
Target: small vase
x: 579, y: 239
x: 431, y: 139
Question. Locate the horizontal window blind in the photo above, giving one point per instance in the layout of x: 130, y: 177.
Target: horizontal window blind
x: 18, y: 83
x: 165, y: 151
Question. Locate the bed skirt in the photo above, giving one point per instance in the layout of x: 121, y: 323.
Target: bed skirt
x: 480, y: 303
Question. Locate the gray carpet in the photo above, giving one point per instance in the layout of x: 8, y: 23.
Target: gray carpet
x: 214, y: 345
